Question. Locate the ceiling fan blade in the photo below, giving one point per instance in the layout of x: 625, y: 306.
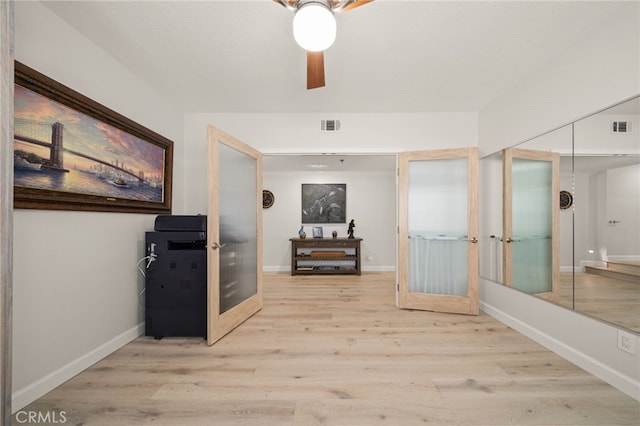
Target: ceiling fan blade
x: 315, y: 70
x: 356, y: 3
x: 286, y: 3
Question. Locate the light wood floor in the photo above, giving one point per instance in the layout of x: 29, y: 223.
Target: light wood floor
x: 336, y: 351
x: 612, y: 300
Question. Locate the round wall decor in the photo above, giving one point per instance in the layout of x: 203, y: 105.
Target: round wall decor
x: 566, y: 199
x: 267, y: 199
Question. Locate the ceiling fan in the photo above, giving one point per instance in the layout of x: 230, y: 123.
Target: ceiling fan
x: 314, y: 28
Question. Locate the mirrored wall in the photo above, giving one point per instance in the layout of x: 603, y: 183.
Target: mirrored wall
x: 580, y: 246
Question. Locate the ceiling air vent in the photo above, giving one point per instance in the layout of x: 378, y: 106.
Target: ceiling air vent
x: 620, y: 127
x: 330, y: 125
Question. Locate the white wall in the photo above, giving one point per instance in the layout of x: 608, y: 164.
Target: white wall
x: 300, y: 133
x: 613, y: 194
x: 593, y: 135
x: 75, y: 279
x: 599, y: 71
x: 623, y: 205
x: 600, y: 197
x: 371, y: 202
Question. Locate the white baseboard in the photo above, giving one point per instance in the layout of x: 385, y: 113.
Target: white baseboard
x: 626, y: 384
x: 378, y: 269
x: 624, y: 258
x: 276, y: 269
x: 25, y: 396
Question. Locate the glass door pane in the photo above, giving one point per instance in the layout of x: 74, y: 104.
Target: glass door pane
x: 438, y: 226
x: 531, y: 208
x: 531, y: 234
x: 438, y: 260
x: 234, y: 233
x: 238, y: 233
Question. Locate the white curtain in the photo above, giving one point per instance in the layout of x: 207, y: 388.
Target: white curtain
x: 438, y: 264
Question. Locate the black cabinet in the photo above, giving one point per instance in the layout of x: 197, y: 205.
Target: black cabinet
x: 176, y: 284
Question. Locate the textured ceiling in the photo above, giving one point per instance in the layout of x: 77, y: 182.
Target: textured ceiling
x: 390, y: 56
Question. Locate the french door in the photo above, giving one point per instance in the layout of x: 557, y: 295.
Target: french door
x: 531, y: 203
x: 234, y: 229
x: 438, y: 228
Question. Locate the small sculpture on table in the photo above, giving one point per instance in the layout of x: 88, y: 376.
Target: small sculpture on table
x: 352, y: 225
x: 301, y: 233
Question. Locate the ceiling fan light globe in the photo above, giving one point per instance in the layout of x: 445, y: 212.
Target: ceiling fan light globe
x: 314, y: 27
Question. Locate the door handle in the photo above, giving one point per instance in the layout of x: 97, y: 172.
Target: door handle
x: 509, y: 240
x: 473, y: 240
x: 216, y: 246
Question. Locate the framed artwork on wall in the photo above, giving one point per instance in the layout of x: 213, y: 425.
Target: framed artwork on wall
x: 72, y: 153
x: 324, y: 203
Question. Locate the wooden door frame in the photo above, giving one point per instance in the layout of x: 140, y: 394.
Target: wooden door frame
x: 443, y: 303
x: 507, y: 219
x: 218, y: 325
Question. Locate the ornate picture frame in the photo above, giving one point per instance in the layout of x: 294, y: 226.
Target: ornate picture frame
x: 72, y: 153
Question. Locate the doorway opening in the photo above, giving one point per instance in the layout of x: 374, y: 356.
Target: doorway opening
x: 371, y: 194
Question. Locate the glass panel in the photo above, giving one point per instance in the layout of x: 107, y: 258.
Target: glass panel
x: 238, y: 227
x: 532, y: 186
x: 607, y: 207
x: 590, y: 149
x: 491, y: 246
x: 438, y: 226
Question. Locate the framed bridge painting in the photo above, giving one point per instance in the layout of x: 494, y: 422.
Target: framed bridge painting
x: 72, y: 153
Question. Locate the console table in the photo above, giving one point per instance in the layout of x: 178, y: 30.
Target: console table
x: 313, y: 256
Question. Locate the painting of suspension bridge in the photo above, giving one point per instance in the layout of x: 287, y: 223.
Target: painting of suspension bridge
x: 60, y: 149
